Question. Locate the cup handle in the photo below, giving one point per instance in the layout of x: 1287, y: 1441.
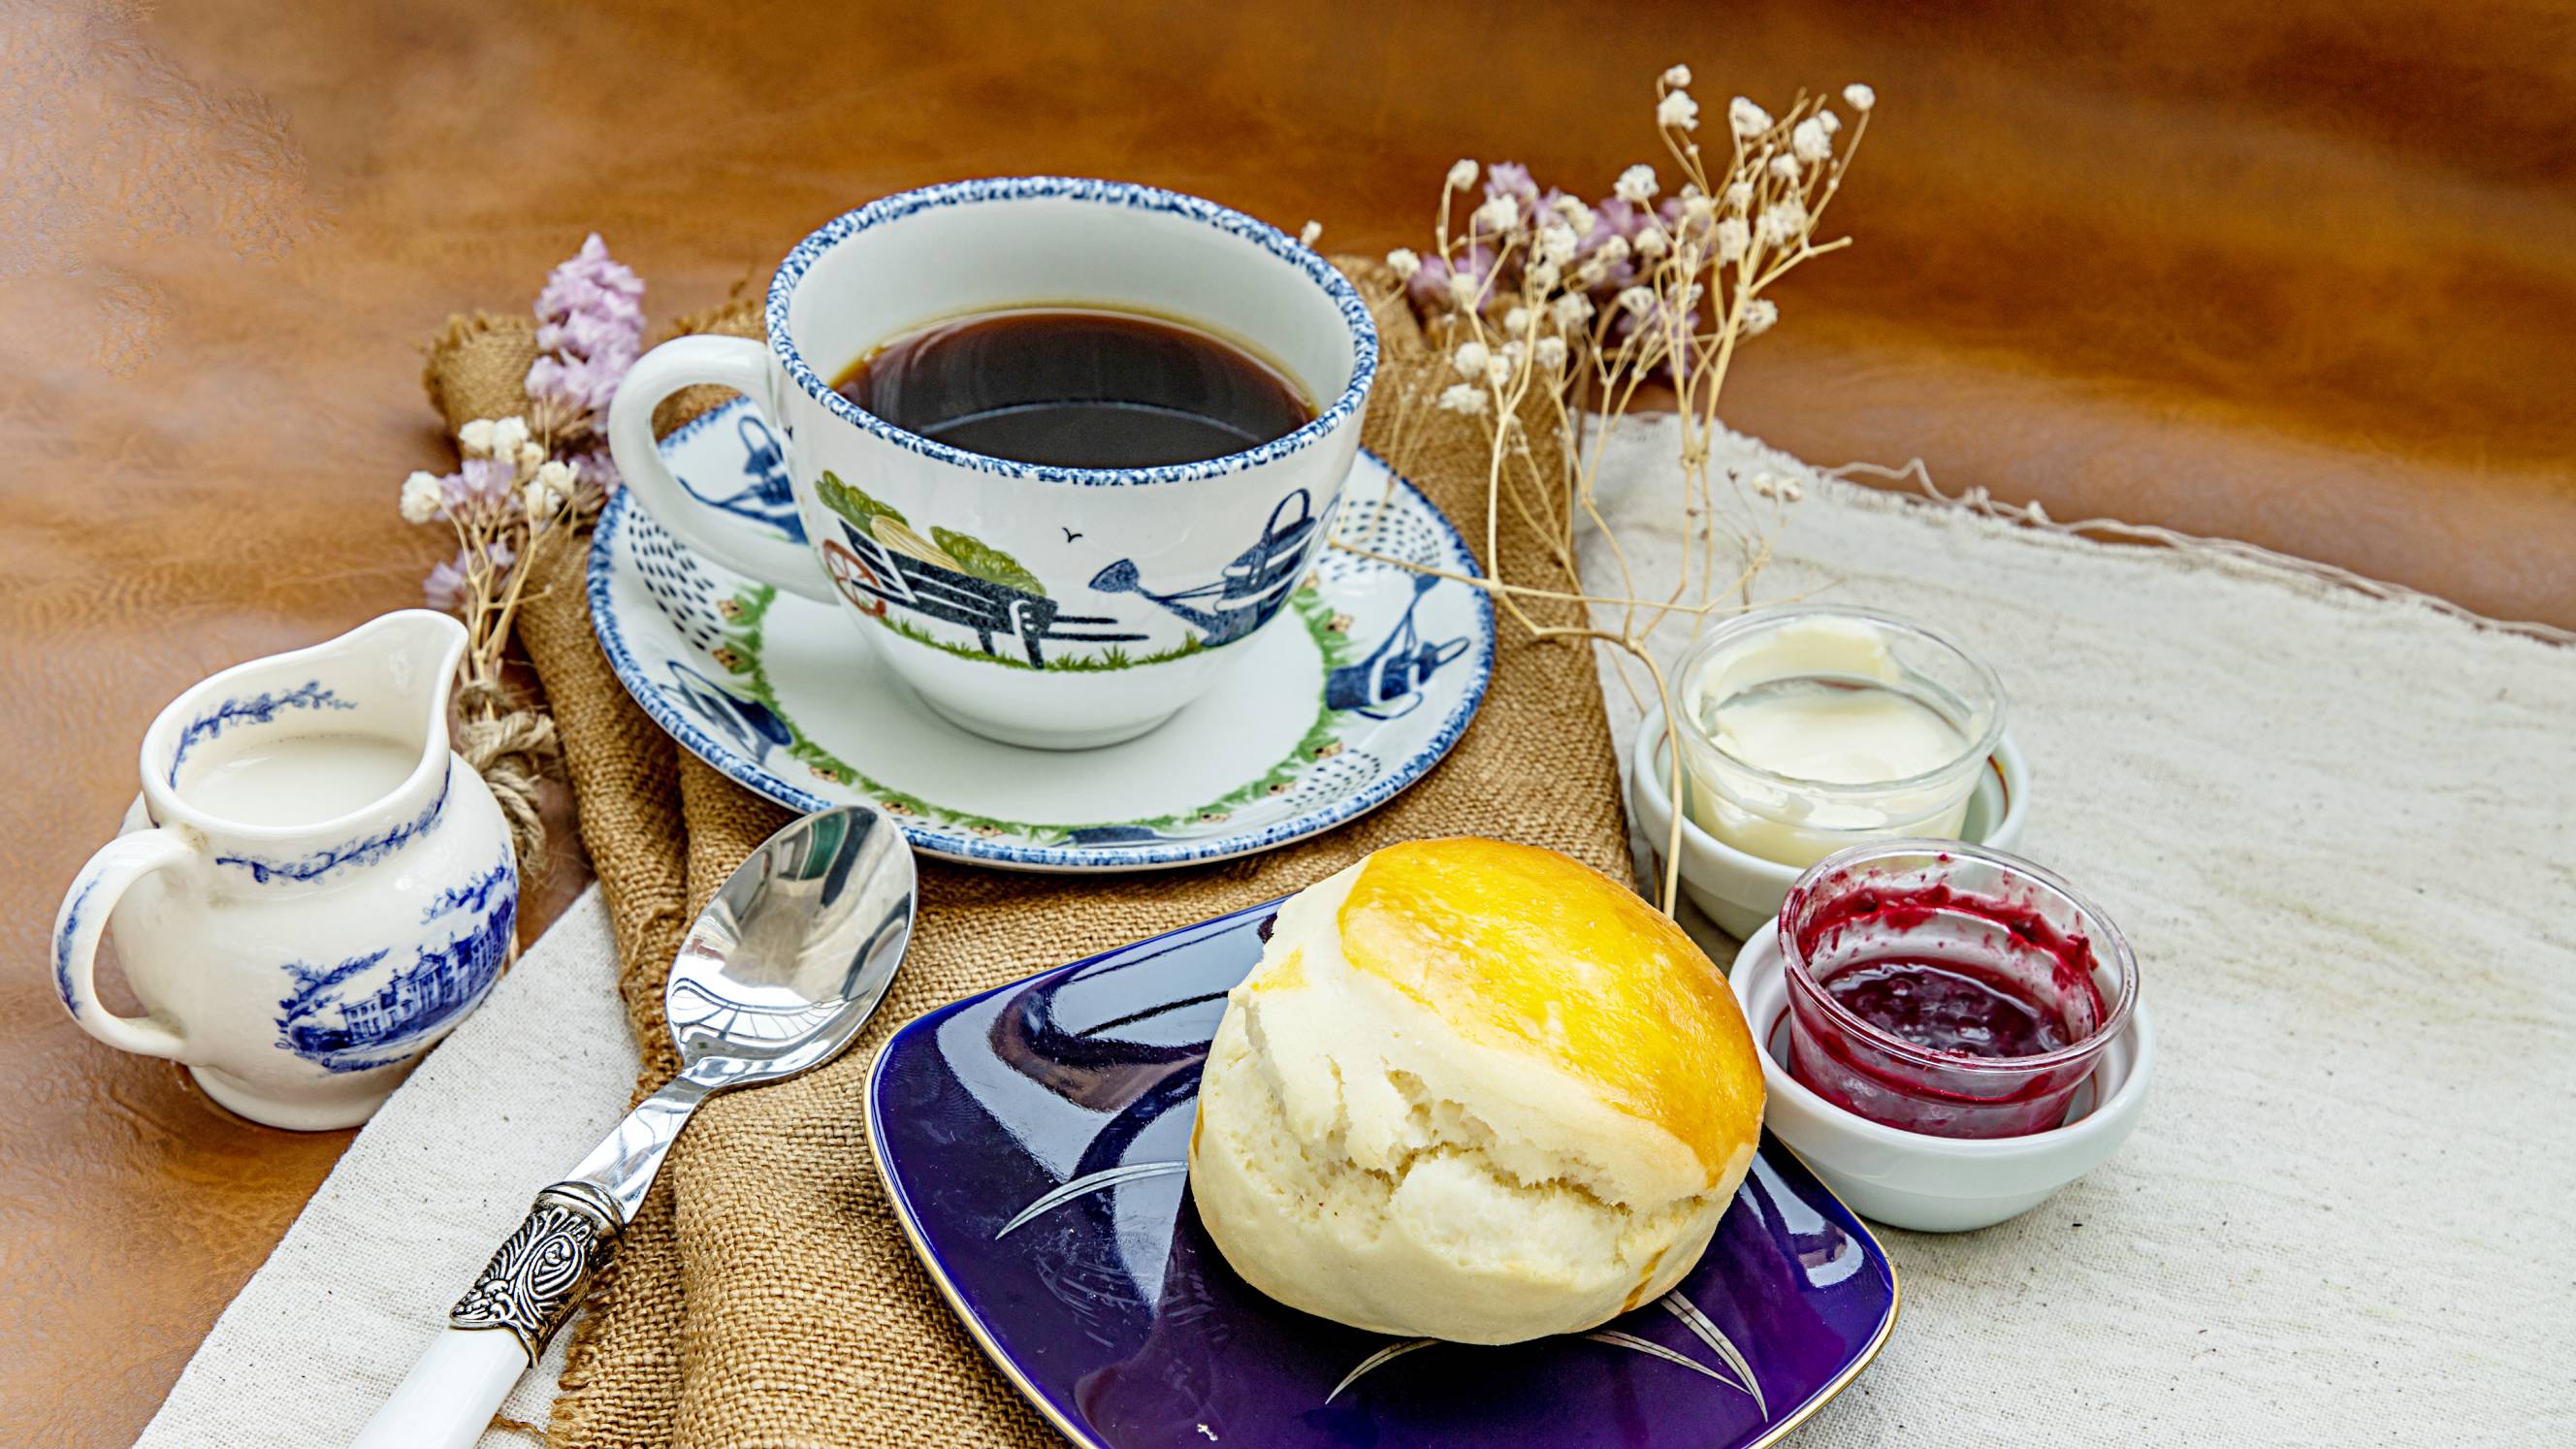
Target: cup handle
x: 735, y: 362
x: 91, y: 900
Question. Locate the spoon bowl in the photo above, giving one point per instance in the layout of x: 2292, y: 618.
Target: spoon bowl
x: 777, y: 977
x: 792, y: 956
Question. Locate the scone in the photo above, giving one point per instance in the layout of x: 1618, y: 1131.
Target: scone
x: 1473, y: 1091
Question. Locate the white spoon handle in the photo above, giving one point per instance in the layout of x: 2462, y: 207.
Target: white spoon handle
x: 500, y: 1327
x: 452, y: 1393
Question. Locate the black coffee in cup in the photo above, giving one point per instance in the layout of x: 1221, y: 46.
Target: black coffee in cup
x: 1077, y: 387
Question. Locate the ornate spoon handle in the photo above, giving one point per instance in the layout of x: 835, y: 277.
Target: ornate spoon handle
x: 532, y: 1285
x: 536, y: 1279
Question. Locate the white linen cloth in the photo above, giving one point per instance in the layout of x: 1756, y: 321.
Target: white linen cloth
x: 2339, y: 831
x: 363, y: 1280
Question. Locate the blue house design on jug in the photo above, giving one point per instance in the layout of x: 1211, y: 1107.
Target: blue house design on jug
x: 449, y: 972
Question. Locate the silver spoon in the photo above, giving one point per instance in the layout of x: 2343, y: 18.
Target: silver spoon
x: 780, y: 972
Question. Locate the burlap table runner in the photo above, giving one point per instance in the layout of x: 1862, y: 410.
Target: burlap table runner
x: 765, y: 1296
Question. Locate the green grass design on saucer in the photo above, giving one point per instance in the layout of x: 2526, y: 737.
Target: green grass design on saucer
x: 740, y: 656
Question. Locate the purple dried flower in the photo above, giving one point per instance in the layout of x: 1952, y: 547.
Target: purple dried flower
x: 481, y: 485
x: 1616, y: 217
x: 594, y: 283
x: 590, y: 320
x: 594, y: 476
x: 1512, y: 179
x: 444, y: 589
x: 1430, y: 286
x: 451, y: 582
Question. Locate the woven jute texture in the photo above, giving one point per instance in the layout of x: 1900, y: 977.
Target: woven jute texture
x: 765, y: 1296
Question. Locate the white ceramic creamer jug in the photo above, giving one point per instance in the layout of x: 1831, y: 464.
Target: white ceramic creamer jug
x: 312, y: 890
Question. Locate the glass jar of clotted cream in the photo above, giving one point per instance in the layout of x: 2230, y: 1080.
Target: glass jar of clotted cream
x: 1809, y: 729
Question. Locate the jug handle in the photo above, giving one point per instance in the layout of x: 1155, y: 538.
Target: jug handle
x: 86, y: 907
x: 735, y: 362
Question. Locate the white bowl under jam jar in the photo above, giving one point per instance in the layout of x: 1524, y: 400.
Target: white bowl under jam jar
x: 1807, y: 730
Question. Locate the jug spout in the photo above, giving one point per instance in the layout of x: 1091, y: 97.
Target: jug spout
x: 414, y: 652
x: 295, y: 765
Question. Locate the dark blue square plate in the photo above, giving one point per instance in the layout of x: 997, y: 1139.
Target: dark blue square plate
x: 1033, y: 1139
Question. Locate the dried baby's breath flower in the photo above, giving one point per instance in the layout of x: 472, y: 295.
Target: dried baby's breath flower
x: 475, y: 438
x: 1557, y: 307
x: 1733, y: 237
x: 1464, y: 397
x: 1306, y: 234
x: 530, y: 453
x: 422, y: 497
x: 507, y: 436
x: 1404, y: 263
x: 1783, y: 220
x: 1779, y: 487
x: 1859, y: 97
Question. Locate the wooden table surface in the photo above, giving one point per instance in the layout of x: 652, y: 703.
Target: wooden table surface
x: 2299, y: 273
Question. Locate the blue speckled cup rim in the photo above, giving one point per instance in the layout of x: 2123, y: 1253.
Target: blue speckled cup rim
x: 1354, y: 309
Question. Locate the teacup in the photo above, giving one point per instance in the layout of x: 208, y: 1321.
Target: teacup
x: 1060, y: 607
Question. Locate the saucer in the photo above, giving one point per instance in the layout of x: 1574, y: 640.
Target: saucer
x: 1033, y: 1145
x: 1333, y: 711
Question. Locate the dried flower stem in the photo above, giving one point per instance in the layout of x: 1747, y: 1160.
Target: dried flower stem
x: 1554, y: 313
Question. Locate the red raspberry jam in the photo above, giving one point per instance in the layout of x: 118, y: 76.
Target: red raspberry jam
x: 1946, y: 989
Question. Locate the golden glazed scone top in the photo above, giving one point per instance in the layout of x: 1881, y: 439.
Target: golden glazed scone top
x: 1525, y: 950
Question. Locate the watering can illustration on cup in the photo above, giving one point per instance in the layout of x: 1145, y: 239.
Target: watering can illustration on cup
x: 1388, y: 683
x: 1248, y: 591
x: 769, y: 497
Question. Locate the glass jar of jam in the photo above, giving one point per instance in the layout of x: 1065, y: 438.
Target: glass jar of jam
x: 1949, y: 989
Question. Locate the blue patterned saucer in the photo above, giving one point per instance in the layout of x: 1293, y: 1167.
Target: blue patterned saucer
x: 1339, y: 708
x: 1033, y: 1139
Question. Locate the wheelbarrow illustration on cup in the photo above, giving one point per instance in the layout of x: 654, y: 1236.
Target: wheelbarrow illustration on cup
x: 1247, y: 592
x: 1388, y: 683
x: 875, y: 578
x: 768, y: 498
